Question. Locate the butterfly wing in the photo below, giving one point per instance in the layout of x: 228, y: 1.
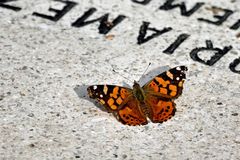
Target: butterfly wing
x: 161, y: 91
x: 120, y: 101
x: 110, y: 96
x: 131, y: 114
x: 168, y: 84
x: 161, y: 109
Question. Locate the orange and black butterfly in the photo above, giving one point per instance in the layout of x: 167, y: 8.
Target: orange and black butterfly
x: 154, y: 100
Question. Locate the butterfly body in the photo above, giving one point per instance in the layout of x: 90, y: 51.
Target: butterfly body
x: 138, y: 92
x: 154, y: 100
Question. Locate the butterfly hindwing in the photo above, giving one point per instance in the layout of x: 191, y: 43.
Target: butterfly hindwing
x: 168, y: 84
x: 130, y: 113
x: 110, y: 96
x: 161, y: 109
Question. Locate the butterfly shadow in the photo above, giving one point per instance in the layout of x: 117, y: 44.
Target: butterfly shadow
x: 81, y: 91
x: 151, y: 74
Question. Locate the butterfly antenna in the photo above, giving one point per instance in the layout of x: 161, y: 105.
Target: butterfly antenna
x: 121, y: 75
x: 145, y: 71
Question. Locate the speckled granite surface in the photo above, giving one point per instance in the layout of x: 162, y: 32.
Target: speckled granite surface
x: 45, y: 66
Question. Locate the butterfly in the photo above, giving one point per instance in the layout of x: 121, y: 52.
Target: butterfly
x: 153, y: 100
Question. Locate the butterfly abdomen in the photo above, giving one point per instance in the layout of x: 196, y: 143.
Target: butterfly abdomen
x: 144, y: 108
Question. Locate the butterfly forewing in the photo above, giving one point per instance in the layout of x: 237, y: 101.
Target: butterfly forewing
x: 112, y: 97
x: 168, y: 84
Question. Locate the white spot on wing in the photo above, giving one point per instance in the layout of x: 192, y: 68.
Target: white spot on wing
x: 94, y: 87
x: 178, y: 68
x: 101, y: 95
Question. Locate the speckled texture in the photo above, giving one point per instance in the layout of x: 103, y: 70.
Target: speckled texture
x: 45, y: 67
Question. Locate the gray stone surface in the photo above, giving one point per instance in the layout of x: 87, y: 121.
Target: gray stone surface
x: 45, y: 66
